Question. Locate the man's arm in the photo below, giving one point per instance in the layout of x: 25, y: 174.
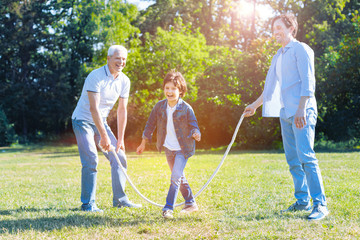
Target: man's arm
x: 94, y: 100
x: 121, y: 123
x: 306, y: 69
x: 300, y: 115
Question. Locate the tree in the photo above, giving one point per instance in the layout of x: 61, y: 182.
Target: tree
x: 7, y: 133
x: 25, y: 32
x: 340, y: 86
x: 232, y: 80
x: 47, y: 49
x: 218, y: 20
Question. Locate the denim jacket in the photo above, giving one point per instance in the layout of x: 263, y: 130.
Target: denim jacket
x: 185, y: 125
x: 298, y: 79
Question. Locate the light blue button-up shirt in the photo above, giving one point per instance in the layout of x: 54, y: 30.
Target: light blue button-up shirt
x: 298, y: 79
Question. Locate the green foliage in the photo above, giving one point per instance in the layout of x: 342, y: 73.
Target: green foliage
x: 218, y: 20
x: 115, y: 27
x: 232, y: 80
x: 340, y: 86
x: 47, y: 48
x: 7, y: 133
x: 324, y: 23
x: 24, y: 70
x: 324, y: 144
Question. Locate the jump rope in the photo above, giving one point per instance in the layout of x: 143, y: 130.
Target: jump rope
x: 203, y: 187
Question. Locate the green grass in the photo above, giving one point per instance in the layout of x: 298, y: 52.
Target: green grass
x: 40, y: 197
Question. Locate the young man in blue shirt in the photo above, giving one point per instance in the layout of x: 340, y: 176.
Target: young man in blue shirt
x: 289, y: 93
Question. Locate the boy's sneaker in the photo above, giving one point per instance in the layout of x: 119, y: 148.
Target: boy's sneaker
x: 297, y: 207
x: 91, y: 208
x: 318, y: 213
x: 168, y: 214
x: 190, y: 209
x: 129, y: 205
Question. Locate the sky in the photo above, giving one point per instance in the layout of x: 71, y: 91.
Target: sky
x: 141, y: 4
x: 264, y: 12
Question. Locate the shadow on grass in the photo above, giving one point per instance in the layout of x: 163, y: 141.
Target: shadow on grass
x: 60, y: 155
x: 28, y: 209
x: 275, y: 215
x: 12, y: 150
x: 58, y: 223
x: 237, y: 151
x: 75, y: 218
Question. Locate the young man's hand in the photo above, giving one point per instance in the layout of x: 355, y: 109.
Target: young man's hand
x: 249, y: 111
x: 300, y: 118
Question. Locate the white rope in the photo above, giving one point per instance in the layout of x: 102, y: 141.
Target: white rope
x: 205, y: 185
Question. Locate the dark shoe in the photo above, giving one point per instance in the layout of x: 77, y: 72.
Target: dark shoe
x: 297, y: 207
x: 91, y: 208
x: 129, y: 205
x: 168, y: 214
x: 318, y: 213
x: 189, y: 209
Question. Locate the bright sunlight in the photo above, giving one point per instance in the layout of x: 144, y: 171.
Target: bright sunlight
x: 245, y: 9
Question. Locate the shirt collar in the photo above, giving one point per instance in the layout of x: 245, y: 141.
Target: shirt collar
x: 171, y: 108
x: 289, y: 45
x: 107, y: 71
x: 108, y: 74
x: 178, y: 105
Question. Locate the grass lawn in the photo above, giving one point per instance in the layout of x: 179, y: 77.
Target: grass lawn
x: 40, y: 197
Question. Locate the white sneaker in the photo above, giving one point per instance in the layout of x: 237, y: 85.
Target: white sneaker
x: 318, y: 213
x: 297, y: 207
x: 189, y: 209
x: 167, y: 214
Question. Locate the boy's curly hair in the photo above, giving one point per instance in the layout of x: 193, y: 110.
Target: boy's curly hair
x: 178, y: 80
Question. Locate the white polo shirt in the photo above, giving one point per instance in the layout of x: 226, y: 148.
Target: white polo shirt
x: 101, y: 81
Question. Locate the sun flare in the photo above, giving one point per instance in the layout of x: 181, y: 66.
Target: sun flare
x: 245, y: 9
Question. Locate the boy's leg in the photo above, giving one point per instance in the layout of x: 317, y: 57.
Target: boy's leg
x: 295, y: 166
x: 305, y: 150
x: 186, y: 191
x: 177, y: 163
x: 84, y: 133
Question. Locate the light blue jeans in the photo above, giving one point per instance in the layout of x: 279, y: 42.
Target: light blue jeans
x: 88, y: 137
x: 177, y: 163
x: 300, y: 155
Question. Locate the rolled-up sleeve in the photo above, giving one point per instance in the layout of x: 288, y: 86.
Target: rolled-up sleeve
x: 150, y: 125
x: 192, y: 122
x: 305, y: 64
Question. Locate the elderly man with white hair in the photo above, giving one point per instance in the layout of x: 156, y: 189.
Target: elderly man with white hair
x: 102, y: 88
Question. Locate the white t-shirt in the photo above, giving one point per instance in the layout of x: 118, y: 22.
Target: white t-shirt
x: 279, y: 76
x: 101, y: 81
x: 171, y: 141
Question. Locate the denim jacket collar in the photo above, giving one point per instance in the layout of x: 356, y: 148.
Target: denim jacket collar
x: 179, y: 105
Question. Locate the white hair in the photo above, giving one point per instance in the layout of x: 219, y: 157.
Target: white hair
x: 114, y: 48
